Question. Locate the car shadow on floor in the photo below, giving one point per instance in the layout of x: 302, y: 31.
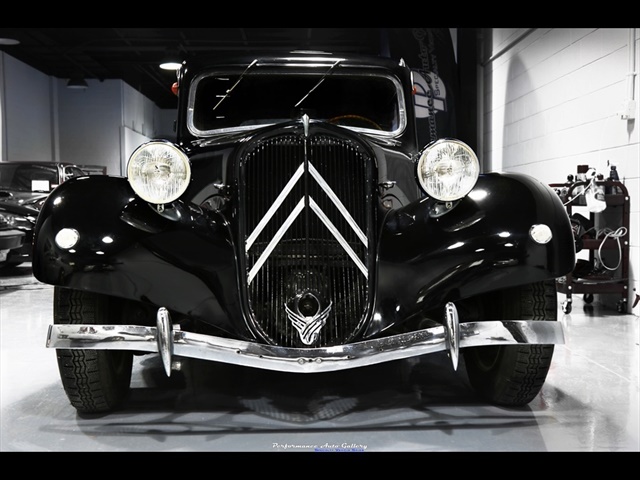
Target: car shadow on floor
x: 407, y: 405
x: 302, y: 399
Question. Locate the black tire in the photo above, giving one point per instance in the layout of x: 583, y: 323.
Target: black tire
x: 95, y: 381
x: 512, y: 375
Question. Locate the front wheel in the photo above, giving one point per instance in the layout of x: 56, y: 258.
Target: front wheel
x: 95, y: 381
x: 513, y: 375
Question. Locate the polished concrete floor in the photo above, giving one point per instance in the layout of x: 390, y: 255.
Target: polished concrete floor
x: 590, y: 402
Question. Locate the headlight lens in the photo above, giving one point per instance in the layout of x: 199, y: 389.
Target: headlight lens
x: 15, y: 220
x: 159, y: 172
x: 7, y: 219
x: 448, y: 169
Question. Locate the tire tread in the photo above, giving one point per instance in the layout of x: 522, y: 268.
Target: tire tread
x: 520, y: 371
x: 91, y: 381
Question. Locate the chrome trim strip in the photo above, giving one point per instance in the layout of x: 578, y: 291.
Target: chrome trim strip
x: 287, y: 189
x: 296, y: 211
x: 276, y: 238
x: 285, y: 226
x: 336, y: 201
x: 334, y: 231
x: 272, y: 210
x: 304, y: 360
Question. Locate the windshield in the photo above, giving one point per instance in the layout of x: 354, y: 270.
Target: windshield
x: 28, y: 177
x: 261, y: 96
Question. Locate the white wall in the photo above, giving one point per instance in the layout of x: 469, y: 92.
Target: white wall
x: 551, y: 101
x: 27, y: 100
x: 43, y: 120
x: 90, y: 122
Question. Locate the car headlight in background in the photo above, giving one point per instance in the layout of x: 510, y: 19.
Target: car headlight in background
x: 448, y: 169
x: 159, y: 172
x: 6, y: 219
x: 19, y: 221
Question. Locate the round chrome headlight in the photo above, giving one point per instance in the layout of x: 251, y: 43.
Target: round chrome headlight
x: 448, y: 169
x: 159, y: 172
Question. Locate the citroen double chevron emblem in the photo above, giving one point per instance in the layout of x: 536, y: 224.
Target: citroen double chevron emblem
x: 308, y: 327
x: 294, y: 214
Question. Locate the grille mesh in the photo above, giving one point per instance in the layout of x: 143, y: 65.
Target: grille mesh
x: 308, y: 256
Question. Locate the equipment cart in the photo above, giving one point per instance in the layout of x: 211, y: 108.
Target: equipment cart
x: 608, y: 239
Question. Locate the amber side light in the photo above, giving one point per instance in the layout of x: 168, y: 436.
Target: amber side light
x: 174, y: 88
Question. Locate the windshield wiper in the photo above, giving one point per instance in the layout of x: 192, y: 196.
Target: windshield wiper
x: 228, y: 92
x: 319, y: 82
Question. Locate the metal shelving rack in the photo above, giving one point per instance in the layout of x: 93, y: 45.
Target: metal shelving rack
x: 618, y: 281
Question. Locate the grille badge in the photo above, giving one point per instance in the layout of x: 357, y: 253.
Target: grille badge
x: 308, y: 326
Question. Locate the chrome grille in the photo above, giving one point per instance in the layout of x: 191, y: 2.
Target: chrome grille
x: 306, y: 216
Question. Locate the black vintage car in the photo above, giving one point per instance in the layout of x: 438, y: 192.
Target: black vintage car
x: 29, y: 183
x: 297, y: 225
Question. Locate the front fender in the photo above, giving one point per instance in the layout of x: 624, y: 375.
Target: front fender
x: 482, y: 244
x: 182, y: 259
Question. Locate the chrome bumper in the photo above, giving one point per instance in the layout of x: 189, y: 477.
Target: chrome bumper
x: 170, y: 341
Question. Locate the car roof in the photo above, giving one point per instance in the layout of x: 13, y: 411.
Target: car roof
x: 300, y: 57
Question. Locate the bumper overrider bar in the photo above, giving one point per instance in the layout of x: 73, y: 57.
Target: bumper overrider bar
x: 170, y: 341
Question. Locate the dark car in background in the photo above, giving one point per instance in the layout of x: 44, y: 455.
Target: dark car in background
x: 11, y: 239
x: 297, y: 224
x: 21, y: 221
x: 29, y: 183
x: 24, y: 186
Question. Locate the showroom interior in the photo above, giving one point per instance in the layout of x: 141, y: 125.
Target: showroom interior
x: 557, y: 104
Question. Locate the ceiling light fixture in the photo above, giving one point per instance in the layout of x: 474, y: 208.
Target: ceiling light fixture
x: 77, y: 83
x: 171, y: 60
x: 170, y: 65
